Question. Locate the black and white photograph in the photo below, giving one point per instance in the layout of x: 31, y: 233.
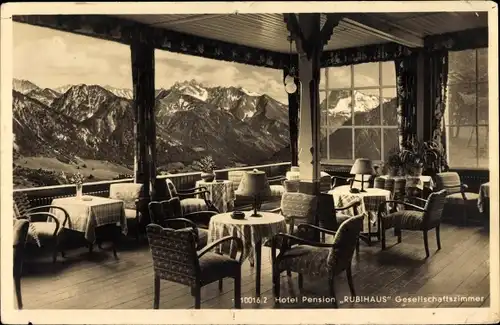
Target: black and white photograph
x: 264, y: 162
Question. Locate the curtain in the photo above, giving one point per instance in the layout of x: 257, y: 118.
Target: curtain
x: 406, y: 88
x: 438, y: 88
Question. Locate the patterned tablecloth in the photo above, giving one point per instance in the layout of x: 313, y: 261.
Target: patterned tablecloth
x: 251, y: 230
x: 370, y: 201
x: 484, y: 197
x: 221, y: 194
x: 89, y: 212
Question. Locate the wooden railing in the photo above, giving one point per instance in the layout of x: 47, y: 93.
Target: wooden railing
x: 45, y: 194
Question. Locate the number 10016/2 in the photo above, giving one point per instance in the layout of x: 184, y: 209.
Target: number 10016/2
x: 253, y: 300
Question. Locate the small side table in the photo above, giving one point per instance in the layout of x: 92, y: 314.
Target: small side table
x: 253, y: 231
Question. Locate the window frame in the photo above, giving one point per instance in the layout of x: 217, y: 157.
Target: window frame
x: 445, y: 123
x: 325, y: 89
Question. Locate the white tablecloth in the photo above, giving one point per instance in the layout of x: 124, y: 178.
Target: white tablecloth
x: 251, y: 230
x: 221, y: 194
x: 370, y: 201
x: 89, y: 212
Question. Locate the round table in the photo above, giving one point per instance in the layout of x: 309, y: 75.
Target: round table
x: 221, y: 194
x: 253, y: 231
x: 370, y: 202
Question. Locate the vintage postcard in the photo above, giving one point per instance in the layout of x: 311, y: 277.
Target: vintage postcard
x: 249, y: 163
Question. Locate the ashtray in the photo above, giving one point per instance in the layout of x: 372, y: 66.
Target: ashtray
x: 219, y: 180
x: 238, y: 215
x: 86, y: 198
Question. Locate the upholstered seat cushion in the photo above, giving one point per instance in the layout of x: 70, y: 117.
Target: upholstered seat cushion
x: 129, y: 193
x: 405, y: 219
x: 130, y: 213
x: 457, y: 198
x: 305, y: 259
x: 42, y: 230
x: 215, y: 266
x: 190, y: 205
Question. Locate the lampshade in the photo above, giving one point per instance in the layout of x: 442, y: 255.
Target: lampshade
x: 362, y: 166
x: 254, y: 183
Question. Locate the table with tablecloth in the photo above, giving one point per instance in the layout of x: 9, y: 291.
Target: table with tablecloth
x: 369, y: 203
x: 483, y: 200
x: 221, y: 194
x: 253, y: 231
x: 421, y: 182
x: 87, y: 213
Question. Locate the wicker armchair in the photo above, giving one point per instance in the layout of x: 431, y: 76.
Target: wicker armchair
x: 317, y: 259
x: 41, y: 231
x: 21, y: 227
x: 175, y: 258
x: 418, y: 219
x: 458, y: 200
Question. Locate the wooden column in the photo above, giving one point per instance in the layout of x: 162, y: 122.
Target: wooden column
x: 309, y: 40
x: 144, y: 99
x: 293, y: 120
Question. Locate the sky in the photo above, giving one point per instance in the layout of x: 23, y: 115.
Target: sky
x: 51, y: 58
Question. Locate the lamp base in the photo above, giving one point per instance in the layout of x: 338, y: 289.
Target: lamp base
x: 256, y: 215
x: 362, y: 191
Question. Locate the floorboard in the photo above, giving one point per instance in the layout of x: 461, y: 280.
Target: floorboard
x: 99, y: 281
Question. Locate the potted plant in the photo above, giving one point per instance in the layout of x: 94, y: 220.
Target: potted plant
x: 413, y: 156
x: 207, y: 166
x: 434, y: 158
x: 392, y: 165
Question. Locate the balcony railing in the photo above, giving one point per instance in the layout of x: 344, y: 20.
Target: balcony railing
x: 45, y: 194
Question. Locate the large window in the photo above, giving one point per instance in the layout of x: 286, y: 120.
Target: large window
x: 466, y: 117
x: 358, y: 112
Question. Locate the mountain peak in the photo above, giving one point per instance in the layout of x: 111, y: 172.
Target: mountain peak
x: 23, y: 86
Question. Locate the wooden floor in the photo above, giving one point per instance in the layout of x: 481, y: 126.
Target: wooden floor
x: 98, y: 281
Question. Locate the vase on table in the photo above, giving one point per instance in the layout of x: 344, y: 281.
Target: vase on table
x: 79, y: 190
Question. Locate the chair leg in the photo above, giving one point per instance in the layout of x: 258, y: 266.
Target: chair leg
x: 331, y: 287
x: 438, y: 237
x: 156, y: 301
x: 323, y: 237
x: 399, y: 234
x: 237, y: 291
x: 382, y: 233
x: 288, y: 273
x: 426, y: 244
x: 349, y: 281
x: 197, y: 297
x: 220, y: 285
x: 19, y: 299
x: 276, y: 284
x: 357, y: 245
x: 301, y: 281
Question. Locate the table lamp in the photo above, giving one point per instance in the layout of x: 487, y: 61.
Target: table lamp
x: 256, y: 185
x: 362, y: 166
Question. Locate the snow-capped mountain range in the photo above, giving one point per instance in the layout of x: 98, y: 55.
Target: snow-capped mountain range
x: 232, y: 124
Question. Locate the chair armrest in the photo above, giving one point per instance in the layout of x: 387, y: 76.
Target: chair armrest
x: 348, y: 180
x: 66, y: 214
x: 275, y: 179
x: 237, y: 240
x: 184, y: 194
x: 200, y: 215
x: 297, y: 240
x: 50, y: 216
x: 464, y: 186
x: 193, y: 189
x: 275, y: 210
x: 307, y: 225
x: 354, y: 204
x: 382, y: 205
x: 419, y: 199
